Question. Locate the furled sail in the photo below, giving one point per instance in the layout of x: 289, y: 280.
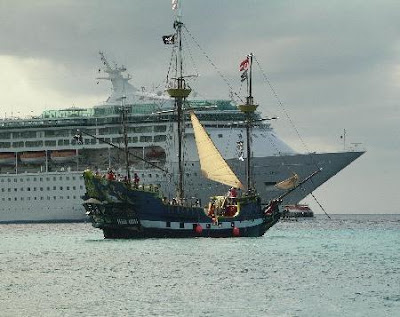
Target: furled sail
x: 288, y: 183
x: 213, y: 166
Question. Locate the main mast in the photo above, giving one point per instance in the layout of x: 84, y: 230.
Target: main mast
x: 125, y: 111
x: 249, y: 108
x: 180, y: 91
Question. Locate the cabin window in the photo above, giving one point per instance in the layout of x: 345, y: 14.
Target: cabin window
x: 220, y: 135
x: 208, y: 226
x: 9, y: 189
x: 145, y: 138
x: 5, y: 135
x: 168, y: 224
x: 50, y: 143
x: 182, y: 225
x: 33, y: 143
x: 51, y: 133
x: 160, y: 128
x: 18, y: 144
x: 160, y: 138
x: 5, y: 144
x: 54, y: 187
x: 140, y: 129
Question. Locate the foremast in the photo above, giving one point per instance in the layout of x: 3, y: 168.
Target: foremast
x: 248, y: 109
x: 179, y: 90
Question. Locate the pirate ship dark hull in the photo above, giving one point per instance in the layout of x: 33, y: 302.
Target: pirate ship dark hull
x: 124, y: 212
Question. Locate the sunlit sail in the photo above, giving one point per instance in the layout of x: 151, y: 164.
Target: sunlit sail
x: 288, y: 183
x: 213, y: 166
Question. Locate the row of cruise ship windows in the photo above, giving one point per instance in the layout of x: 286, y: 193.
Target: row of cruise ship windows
x: 28, y: 189
x: 87, y: 141
x: 41, y: 179
x: 39, y: 198
x: 71, y: 132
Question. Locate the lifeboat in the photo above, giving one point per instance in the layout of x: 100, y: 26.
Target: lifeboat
x: 33, y: 157
x: 7, y: 158
x: 154, y: 153
x: 63, y: 156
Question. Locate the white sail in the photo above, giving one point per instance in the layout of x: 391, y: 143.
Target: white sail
x: 213, y: 166
x: 288, y: 183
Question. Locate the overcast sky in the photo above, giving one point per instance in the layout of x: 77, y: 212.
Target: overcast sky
x: 334, y: 64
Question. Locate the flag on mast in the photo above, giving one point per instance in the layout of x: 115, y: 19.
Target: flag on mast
x: 243, y: 76
x: 244, y: 65
x: 174, y: 4
x: 169, y: 39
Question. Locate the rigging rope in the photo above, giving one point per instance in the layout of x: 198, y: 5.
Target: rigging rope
x: 294, y: 128
x: 231, y: 90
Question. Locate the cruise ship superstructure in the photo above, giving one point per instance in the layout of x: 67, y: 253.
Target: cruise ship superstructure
x: 41, y: 164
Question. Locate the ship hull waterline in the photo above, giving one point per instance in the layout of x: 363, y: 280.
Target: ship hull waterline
x: 126, y: 212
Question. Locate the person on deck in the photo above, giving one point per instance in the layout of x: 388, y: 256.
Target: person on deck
x: 232, y: 192
x: 136, y: 180
x: 110, y: 175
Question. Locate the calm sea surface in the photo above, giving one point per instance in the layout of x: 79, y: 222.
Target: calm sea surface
x: 347, y: 266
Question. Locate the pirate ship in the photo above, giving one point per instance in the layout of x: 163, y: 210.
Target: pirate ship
x: 125, y: 209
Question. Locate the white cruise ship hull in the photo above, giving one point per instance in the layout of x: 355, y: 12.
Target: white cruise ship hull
x: 56, y: 196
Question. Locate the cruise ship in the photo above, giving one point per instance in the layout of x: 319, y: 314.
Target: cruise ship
x: 41, y: 163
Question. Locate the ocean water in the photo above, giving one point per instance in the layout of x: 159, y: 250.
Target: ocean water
x: 347, y: 266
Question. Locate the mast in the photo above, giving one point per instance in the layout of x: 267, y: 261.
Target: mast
x: 249, y: 108
x: 180, y: 91
x: 124, y: 111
